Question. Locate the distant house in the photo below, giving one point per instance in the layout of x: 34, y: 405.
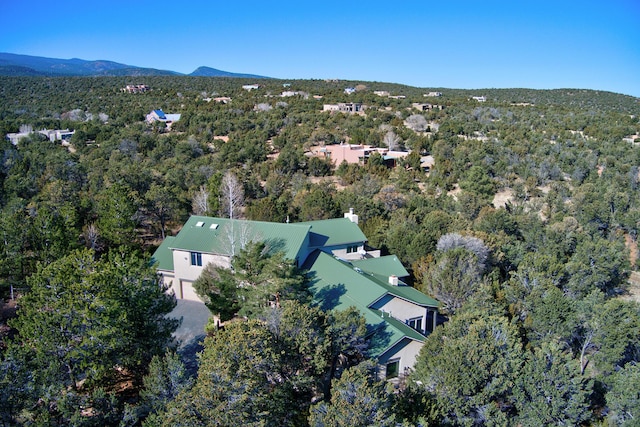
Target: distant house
x: 14, y: 138
x: 63, y: 135
x: 250, y: 87
x: 220, y: 99
x: 288, y: 93
x: 345, y: 274
x: 433, y: 94
x: 397, y: 96
x: 135, y: 88
x: 426, y: 107
x: 381, y: 92
x: 349, y: 90
x: 479, y: 98
x: 345, y: 107
x: 160, y: 116
x: 355, y: 153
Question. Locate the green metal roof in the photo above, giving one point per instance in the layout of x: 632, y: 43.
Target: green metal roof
x: 338, y: 285
x: 408, y: 293
x: 400, y: 326
x: 387, y: 332
x: 384, y: 265
x: 378, y: 277
x: 215, y: 235
x: 332, y: 232
x: 163, y: 256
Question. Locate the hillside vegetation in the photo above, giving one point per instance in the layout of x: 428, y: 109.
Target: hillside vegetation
x: 525, y: 227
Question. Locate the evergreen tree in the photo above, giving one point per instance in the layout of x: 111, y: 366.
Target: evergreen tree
x: 83, y: 324
x: 550, y: 389
x: 358, y: 399
x: 470, y: 365
x: 623, y: 397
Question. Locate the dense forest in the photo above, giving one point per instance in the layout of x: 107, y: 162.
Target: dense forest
x: 524, y: 227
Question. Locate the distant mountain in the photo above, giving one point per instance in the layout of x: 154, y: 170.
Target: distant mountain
x: 17, y: 70
x: 25, y: 65
x: 212, y: 72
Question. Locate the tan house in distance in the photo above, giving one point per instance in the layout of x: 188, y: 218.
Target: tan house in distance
x: 345, y: 107
x: 53, y: 135
x: 353, y: 153
x: 135, y: 88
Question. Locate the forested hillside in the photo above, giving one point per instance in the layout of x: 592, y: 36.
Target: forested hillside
x: 525, y: 228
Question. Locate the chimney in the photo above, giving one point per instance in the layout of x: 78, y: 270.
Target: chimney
x: 352, y: 217
x: 393, y: 280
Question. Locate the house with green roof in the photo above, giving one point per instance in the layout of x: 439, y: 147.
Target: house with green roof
x: 206, y: 240
x: 343, y: 272
x: 398, y: 316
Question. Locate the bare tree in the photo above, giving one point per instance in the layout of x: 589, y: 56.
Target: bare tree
x: 385, y: 127
x: 416, y: 122
x: 238, y: 234
x: 200, y: 201
x: 457, y: 271
x: 26, y: 128
x: 453, y: 278
x: 232, y: 195
x: 473, y: 244
x: 91, y: 236
x: 391, y: 140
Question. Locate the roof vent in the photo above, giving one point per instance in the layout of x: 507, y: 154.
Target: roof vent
x: 351, y: 215
x: 393, y: 280
x: 199, y: 223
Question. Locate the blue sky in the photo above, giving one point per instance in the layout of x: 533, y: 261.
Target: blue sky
x: 454, y: 44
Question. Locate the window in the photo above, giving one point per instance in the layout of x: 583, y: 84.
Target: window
x: 430, y: 319
x: 416, y: 324
x: 393, y: 369
x: 352, y: 249
x: 196, y: 259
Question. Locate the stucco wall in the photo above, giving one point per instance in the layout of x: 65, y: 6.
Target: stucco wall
x: 341, y: 252
x: 185, y: 274
x: 406, y: 353
x: 185, y: 271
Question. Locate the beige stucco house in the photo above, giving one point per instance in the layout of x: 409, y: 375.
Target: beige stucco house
x: 355, y: 153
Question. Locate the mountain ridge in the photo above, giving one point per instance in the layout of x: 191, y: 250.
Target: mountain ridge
x: 12, y: 64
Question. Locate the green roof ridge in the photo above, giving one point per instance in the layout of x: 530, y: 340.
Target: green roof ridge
x: 218, y: 235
